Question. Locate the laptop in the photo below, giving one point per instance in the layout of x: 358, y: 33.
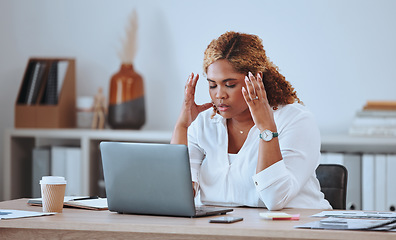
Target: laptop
x: 150, y: 178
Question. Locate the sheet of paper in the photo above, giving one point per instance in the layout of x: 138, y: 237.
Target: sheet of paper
x: 356, y: 214
x: 11, y: 214
x: 100, y: 203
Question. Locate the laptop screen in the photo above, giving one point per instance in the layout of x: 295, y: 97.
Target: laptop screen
x: 148, y: 178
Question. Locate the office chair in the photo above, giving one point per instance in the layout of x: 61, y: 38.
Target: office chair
x: 333, y: 183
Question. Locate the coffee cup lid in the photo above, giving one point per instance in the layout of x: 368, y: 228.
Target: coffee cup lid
x: 52, y: 180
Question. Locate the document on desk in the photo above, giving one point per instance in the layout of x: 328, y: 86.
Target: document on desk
x: 11, y: 214
x: 356, y: 214
x: 351, y: 224
x: 91, y: 203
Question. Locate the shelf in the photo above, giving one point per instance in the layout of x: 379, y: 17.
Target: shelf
x: 358, y: 144
x: 136, y: 135
x: 19, y: 144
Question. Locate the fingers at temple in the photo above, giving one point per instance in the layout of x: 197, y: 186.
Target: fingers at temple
x: 250, y: 88
x: 246, y: 96
x: 262, y: 93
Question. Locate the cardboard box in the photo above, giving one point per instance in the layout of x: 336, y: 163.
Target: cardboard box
x: 38, y: 114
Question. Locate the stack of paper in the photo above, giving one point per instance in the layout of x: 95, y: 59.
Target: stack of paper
x: 353, y: 220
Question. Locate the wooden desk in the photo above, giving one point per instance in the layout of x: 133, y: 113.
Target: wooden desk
x: 86, y: 224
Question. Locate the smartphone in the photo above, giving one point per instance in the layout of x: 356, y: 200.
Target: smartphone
x: 225, y: 219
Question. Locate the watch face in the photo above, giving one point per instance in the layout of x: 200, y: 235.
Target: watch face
x: 266, y: 135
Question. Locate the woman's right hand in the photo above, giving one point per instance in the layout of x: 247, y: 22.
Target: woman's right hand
x: 189, y: 112
x: 190, y: 109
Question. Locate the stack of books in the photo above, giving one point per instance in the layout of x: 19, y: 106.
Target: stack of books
x: 377, y: 118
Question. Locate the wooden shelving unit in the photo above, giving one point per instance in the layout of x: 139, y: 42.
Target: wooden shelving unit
x: 19, y: 144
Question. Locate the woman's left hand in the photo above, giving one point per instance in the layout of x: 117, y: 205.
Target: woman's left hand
x: 256, y: 98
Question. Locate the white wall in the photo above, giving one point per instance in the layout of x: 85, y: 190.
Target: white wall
x: 337, y: 54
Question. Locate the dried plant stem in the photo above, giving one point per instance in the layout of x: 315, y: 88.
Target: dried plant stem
x: 129, y: 42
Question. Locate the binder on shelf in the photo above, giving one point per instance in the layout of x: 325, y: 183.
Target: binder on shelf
x: 380, y: 182
x: 41, y: 166
x: 368, y: 182
x: 35, y: 81
x: 352, y: 162
x: 51, y: 88
x: 58, y: 162
x: 47, y: 95
x: 391, y: 179
x: 66, y: 162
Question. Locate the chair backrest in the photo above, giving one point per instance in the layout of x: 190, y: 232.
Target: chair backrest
x: 333, y: 183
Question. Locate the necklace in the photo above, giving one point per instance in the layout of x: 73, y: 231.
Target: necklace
x: 236, y: 128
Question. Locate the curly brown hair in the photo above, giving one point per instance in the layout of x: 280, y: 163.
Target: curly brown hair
x: 246, y: 54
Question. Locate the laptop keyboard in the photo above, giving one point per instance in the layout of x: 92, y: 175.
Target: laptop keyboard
x: 199, y: 210
x: 203, y: 210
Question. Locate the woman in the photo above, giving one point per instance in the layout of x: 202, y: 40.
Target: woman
x: 259, y: 146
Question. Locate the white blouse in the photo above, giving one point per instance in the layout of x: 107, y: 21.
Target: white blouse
x: 231, y: 180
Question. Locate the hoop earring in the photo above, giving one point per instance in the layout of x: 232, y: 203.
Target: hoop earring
x: 214, y: 111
